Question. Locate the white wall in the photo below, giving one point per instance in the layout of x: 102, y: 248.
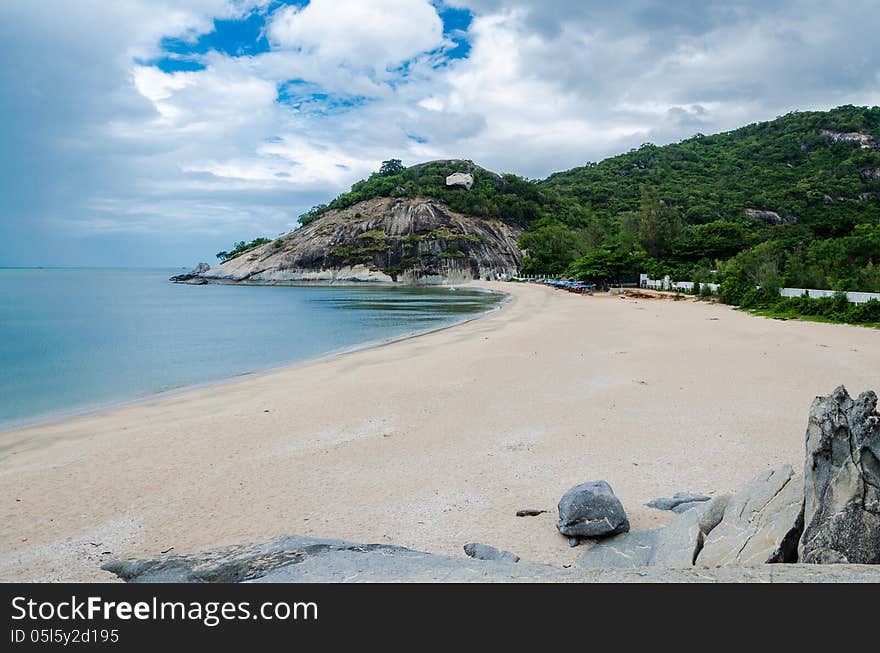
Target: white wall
x: 666, y: 284
x: 854, y: 297
x: 688, y: 286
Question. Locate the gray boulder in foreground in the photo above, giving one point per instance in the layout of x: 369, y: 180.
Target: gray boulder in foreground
x: 677, y: 499
x: 842, y: 480
x: 311, y: 560
x: 760, y: 524
x: 591, y: 510
x: 486, y: 552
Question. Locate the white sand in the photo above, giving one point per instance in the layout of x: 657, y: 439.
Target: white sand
x: 434, y: 441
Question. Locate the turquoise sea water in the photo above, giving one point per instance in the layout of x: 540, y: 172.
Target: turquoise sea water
x: 73, y: 339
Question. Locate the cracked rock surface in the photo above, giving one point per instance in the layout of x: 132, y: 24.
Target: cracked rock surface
x: 842, y: 480
x: 760, y: 524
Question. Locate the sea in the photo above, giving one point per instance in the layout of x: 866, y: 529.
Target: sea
x: 78, y: 339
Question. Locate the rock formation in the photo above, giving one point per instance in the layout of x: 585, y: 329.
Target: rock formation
x: 769, y: 217
x: 842, y: 480
x: 679, y: 544
x: 870, y: 173
x: 486, y: 552
x: 627, y: 550
x: 676, y: 545
x: 462, y: 179
x: 677, y: 499
x: 194, y: 275
x: 591, y: 510
x: 760, y: 524
x: 865, y: 141
x: 380, y: 240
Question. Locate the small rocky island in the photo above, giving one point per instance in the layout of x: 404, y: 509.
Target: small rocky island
x: 412, y: 240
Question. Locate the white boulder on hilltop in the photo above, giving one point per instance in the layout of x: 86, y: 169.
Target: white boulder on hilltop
x: 463, y: 179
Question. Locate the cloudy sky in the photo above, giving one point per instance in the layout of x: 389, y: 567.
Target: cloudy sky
x: 157, y: 132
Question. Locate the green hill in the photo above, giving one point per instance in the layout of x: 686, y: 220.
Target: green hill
x: 508, y: 197
x: 806, y: 186
x: 794, y: 201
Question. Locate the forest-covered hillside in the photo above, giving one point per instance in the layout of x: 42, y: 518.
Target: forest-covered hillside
x: 794, y: 201
x: 799, y: 196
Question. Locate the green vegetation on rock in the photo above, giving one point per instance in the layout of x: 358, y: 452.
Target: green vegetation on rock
x: 241, y: 247
x: 508, y: 197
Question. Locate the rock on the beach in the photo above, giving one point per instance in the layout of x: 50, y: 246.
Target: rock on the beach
x: 529, y: 512
x: 670, y: 503
x: 761, y: 523
x: 842, y: 481
x: 681, y: 541
x: 591, y: 510
x: 621, y: 551
x: 486, y: 552
x: 684, y: 507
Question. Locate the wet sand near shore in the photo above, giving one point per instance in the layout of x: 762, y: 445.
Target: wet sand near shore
x: 433, y: 441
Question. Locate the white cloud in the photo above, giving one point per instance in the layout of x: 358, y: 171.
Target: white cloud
x: 97, y: 143
x: 371, y: 35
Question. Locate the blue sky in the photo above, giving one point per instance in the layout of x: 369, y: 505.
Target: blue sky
x: 157, y: 132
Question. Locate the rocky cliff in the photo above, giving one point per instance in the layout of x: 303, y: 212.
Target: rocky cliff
x: 417, y: 240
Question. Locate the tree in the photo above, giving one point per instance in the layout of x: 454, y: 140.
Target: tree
x: 391, y: 167
x: 605, y: 264
x: 240, y: 248
x: 717, y: 239
x: 551, y: 249
x: 659, y: 225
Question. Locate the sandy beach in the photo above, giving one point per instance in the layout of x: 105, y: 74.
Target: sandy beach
x: 433, y: 441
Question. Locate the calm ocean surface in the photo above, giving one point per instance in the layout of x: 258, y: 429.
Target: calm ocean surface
x: 73, y: 339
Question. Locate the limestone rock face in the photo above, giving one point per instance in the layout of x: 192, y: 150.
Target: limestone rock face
x: 870, y: 173
x: 760, y: 524
x: 462, y: 179
x: 385, y: 239
x: 591, y: 510
x: 842, y: 481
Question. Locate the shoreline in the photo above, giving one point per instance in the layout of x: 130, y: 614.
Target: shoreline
x: 435, y: 440
x: 92, y: 409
